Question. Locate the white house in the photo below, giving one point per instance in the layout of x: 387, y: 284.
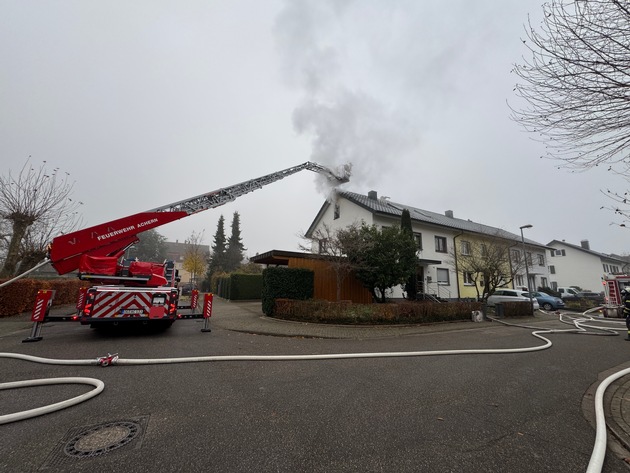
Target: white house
x: 578, y: 265
x: 435, y: 234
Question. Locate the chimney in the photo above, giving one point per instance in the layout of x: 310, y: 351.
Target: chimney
x: 585, y: 244
x: 449, y: 213
x: 372, y: 195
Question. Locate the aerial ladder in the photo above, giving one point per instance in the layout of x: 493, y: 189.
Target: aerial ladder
x: 141, y: 291
x: 113, y: 238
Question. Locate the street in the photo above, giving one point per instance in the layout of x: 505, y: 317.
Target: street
x: 477, y: 413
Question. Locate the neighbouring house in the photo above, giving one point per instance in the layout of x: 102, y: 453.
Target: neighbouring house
x: 436, y: 236
x: 176, y: 252
x: 578, y: 265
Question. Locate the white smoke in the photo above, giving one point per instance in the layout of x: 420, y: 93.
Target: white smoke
x: 347, y: 122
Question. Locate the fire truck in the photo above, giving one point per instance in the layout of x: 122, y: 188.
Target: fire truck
x: 613, y: 285
x: 129, y: 290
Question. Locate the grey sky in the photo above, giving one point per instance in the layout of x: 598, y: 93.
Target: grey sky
x: 150, y: 102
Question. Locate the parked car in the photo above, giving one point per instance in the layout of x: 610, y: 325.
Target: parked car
x: 186, y: 289
x: 591, y: 296
x: 567, y: 292
x: 510, y: 295
x: 548, y: 302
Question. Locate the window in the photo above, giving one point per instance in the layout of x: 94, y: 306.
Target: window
x: 465, y: 248
x: 541, y: 259
x: 614, y: 269
x: 561, y: 253
x: 442, y: 276
x: 516, y: 256
x: 469, y: 279
x: 440, y: 244
x: 418, y: 238
x: 337, y: 212
x: 528, y: 255
x: 518, y: 279
x: 484, y: 250
x: 323, y: 244
x: 606, y: 268
x: 543, y: 282
x: 552, y: 270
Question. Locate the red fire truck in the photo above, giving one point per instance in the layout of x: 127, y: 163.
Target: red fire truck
x: 128, y: 290
x: 613, y: 285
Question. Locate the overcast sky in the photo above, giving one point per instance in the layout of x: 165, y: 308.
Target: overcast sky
x: 149, y: 102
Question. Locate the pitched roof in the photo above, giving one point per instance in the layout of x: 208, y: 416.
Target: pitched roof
x: 393, y: 209
x: 586, y: 250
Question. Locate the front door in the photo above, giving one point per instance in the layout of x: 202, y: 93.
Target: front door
x: 420, y: 280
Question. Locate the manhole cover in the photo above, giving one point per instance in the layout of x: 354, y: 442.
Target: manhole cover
x: 97, y: 443
x: 102, y: 439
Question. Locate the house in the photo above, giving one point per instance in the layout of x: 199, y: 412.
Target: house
x: 578, y: 265
x: 176, y: 252
x: 440, y: 239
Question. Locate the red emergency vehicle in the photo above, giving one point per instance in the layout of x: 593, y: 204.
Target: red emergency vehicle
x: 126, y: 290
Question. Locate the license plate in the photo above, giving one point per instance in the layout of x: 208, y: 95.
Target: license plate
x: 132, y: 311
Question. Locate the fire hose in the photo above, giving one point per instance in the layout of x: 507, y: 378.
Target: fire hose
x: 580, y: 324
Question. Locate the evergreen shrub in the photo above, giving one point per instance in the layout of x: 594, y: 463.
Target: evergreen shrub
x: 285, y: 283
x: 517, y: 309
x: 245, y: 286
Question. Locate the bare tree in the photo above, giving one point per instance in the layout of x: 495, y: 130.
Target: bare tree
x: 332, y: 251
x: 36, y: 204
x: 577, y: 80
x: 195, y: 256
x: 34, y: 247
x: 489, y: 264
x: 5, y: 238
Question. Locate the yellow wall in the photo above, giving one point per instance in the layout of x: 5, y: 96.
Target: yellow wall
x: 468, y: 291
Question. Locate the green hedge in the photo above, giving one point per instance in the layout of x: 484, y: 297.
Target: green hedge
x: 517, y: 309
x: 222, y: 286
x: 19, y: 296
x: 238, y: 287
x: 285, y: 283
x: 392, y: 313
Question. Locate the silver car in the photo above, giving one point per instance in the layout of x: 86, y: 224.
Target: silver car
x: 510, y: 295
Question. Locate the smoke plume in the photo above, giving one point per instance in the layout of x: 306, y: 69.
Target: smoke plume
x: 346, y: 121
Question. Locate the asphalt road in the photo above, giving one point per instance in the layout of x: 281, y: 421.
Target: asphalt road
x: 473, y: 413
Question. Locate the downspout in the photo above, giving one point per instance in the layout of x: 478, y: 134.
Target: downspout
x: 456, y: 265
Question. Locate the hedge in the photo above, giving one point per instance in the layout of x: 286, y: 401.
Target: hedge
x: 20, y: 295
x: 238, y: 286
x: 346, y: 312
x: 517, y: 309
x: 285, y: 283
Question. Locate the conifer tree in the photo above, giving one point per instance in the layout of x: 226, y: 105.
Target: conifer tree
x: 217, y: 258
x: 411, y: 286
x: 235, y: 248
